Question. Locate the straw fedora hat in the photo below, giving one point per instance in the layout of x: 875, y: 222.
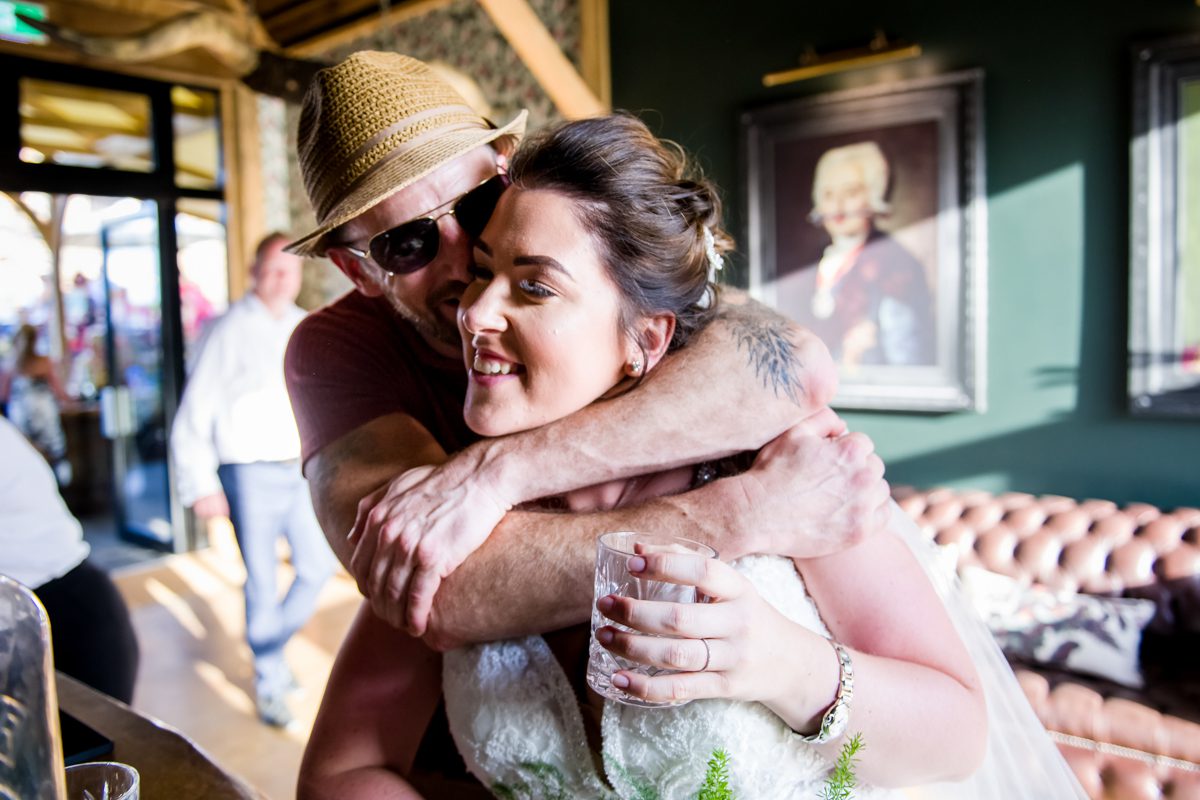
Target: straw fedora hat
x: 374, y: 124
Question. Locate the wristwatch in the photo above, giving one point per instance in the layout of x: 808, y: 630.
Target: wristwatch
x: 834, y: 723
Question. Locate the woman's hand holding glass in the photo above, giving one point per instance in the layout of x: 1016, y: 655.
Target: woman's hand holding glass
x: 732, y: 646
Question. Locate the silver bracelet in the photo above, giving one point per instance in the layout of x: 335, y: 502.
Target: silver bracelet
x: 837, y: 717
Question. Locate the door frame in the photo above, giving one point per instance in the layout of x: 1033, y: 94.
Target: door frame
x: 158, y: 185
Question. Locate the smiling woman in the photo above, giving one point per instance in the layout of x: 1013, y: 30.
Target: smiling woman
x: 525, y: 324
x: 587, y: 274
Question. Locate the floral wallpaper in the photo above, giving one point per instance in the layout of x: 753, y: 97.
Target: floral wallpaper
x: 462, y: 35
x: 272, y: 132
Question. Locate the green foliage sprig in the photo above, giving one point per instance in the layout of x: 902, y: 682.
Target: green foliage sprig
x: 841, y: 781
x: 716, y: 780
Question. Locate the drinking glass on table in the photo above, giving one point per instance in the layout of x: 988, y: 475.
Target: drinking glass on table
x: 613, y: 551
x: 102, y: 780
x: 31, y: 760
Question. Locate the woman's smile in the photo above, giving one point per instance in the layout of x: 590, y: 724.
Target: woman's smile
x: 489, y: 365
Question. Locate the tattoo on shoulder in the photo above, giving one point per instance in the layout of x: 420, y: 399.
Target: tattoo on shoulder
x: 763, y: 334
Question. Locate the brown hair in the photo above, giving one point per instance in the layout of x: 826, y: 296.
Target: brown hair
x: 25, y: 347
x: 645, y: 206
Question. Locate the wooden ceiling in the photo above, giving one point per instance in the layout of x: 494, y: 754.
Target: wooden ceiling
x: 273, y: 24
x: 293, y: 23
x: 274, y: 45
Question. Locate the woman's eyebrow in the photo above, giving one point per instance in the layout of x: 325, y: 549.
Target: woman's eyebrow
x: 542, y: 261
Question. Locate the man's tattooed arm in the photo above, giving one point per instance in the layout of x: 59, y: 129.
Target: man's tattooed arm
x: 768, y: 341
x: 353, y: 466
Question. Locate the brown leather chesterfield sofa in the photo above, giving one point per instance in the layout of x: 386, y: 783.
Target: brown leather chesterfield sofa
x: 1123, y: 743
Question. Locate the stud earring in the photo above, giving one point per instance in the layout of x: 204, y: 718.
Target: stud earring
x: 635, y: 367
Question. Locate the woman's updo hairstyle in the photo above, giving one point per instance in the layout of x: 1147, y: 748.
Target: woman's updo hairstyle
x: 645, y: 207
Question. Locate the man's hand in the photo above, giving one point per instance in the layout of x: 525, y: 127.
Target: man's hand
x: 813, y: 491
x: 413, y: 532
x: 211, y: 505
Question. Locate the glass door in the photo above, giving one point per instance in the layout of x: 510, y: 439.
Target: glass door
x: 133, y: 414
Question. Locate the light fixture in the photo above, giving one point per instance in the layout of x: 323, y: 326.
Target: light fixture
x: 878, y: 51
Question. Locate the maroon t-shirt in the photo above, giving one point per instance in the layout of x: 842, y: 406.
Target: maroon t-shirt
x: 356, y: 360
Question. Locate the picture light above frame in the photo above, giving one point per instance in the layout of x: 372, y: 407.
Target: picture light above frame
x: 812, y: 65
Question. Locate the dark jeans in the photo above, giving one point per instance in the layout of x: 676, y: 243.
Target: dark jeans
x: 93, y: 638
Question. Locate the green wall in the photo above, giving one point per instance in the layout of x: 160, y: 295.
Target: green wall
x: 1057, y: 117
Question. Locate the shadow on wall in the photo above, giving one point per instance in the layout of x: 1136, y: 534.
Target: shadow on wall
x: 1069, y: 458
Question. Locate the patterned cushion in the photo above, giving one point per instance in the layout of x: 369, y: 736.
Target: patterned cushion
x: 1077, y: 632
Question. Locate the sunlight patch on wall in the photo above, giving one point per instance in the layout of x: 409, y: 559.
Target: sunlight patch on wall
x: 1037, y: 309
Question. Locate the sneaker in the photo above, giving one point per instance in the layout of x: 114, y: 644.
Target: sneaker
x: 290, y: 684
x: 273, y: 710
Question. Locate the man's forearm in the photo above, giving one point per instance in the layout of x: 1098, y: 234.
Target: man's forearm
x: 534, y: 573
x: 345, y: 471
x: 746, y: 378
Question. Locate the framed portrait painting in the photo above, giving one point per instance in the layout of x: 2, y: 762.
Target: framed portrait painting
x: 1164, y: 275
x: 866, y: 223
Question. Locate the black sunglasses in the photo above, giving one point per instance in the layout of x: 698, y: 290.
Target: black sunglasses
x: 412, y: 245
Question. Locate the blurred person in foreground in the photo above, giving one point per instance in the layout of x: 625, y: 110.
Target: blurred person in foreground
x: 42, y: 546
x: 236, y: 454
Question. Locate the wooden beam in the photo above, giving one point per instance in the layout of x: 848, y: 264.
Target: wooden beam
x: 594, y: 60
x: 207, y: 79
x: 265, y: 8
x: 128, y: 17
x: 528, y: 36
x: 43, y: 228
x: 243, y: 187
x: 317, y: 11
x: 158, y: 9
x: 300, y: 18
x: 400, y: 12
x: 235, y: 7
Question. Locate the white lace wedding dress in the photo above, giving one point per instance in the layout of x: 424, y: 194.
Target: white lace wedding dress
x: 518, y: 725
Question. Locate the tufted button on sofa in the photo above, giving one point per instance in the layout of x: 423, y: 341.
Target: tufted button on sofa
x: 1123, y: 743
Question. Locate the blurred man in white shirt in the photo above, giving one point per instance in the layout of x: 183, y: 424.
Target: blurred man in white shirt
x: 236, y: 453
